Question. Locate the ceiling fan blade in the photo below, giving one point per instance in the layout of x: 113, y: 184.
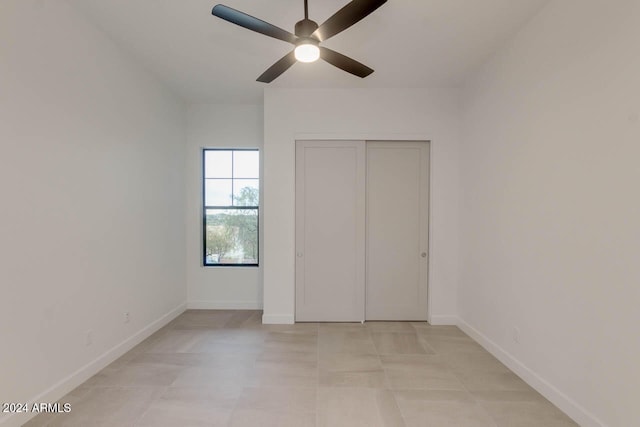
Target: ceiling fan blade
x: 346, y: 17
x: 251, y: 23
x: 278, y: 68
x: 345, y: 63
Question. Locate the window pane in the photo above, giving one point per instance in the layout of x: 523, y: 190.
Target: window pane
x: 217, y: 192
x: 231, y: 236
x: 217, y: 164
x: 245, y: 192
x: 246, y: 164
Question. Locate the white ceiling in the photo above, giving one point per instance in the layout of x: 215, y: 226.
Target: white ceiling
x: 409, y: 43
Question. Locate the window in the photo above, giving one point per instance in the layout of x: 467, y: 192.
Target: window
x: 230, y: 191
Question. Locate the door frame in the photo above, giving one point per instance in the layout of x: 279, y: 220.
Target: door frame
x: 398, y: 137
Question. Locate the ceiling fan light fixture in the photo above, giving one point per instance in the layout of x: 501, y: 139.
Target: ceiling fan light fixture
x: 308, y: 36
x: 307, y: 51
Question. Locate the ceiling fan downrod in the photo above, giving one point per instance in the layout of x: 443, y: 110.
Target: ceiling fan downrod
x: 306, y: 27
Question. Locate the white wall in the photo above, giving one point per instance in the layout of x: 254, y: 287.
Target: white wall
x: 359, y: 114
x: 218, y: 126
x: 92, y: 201
x: 551, y: 208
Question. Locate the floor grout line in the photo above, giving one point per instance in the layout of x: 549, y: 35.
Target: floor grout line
x: 388, y: 383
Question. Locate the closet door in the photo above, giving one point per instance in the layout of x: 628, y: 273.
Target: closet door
x: 330, y: 230
x: 397, y: 230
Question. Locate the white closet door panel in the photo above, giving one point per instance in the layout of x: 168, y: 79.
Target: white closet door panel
x: 330, y: 230
x: 397, y: 230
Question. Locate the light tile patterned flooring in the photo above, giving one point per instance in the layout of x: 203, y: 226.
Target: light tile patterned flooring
x: 224, y: 368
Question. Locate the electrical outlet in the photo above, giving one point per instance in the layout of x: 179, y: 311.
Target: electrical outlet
x: 89, y: 338
x: 127, y: 317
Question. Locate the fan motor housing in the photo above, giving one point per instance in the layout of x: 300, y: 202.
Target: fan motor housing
x: 305, y: 28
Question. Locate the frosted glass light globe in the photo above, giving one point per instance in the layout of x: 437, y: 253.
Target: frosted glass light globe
x: 307, y: 52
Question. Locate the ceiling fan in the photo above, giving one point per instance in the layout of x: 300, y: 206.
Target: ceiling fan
x: 308, y: 36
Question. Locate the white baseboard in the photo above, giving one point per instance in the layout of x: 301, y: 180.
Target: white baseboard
x: 579, y: 414
x: 64, y: 386
x: 224, y: 305
x: 278, y: 319
x: 443, y: 320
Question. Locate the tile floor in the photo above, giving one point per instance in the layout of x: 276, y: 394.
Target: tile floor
x: 224, y: 368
